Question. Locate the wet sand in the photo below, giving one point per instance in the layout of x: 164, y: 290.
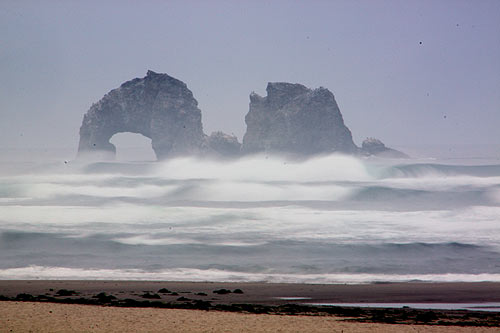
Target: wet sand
x: 269, y: 293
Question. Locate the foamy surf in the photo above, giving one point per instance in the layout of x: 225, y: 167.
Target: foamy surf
x: 331, y: 219
x: 198, y: 275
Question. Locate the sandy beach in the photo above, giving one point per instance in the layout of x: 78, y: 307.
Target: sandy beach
x: 49, y: 317
x: 147, y: 306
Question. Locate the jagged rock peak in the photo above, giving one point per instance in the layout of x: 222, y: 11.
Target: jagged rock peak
x: 295, y: 119
x: 280, y: 93
x: 375, y: 147
x: 157, y: 106
x: 222, y: 145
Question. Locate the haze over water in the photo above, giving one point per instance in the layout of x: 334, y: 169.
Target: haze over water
x: 405, y: 72
x: 329, y: 219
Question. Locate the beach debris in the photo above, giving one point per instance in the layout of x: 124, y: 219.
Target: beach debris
x: 65, y: 292
x: 426, y: 317
x: 104, y: 298
x: 24, y: 297
x: 149, y: 295
x: 201, y: 305
x: 164, y: 291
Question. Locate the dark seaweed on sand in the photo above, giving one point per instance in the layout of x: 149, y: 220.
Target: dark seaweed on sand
x: 104, y: 298
x: 164, y: 291
x: 222, y: 291
x: 151, y: 296
x: 65, y: 292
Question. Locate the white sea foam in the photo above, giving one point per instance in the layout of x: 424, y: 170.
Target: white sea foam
x: 246, y: 191
x: 262, y: 168
x: 474, y: 225
x: 438, y: 183
x: 191, y: 274
x: 264, y: 216
x: 55, y: 190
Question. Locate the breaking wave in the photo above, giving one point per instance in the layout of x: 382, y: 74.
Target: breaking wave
x: 437, y: 170
x: 197, y: 275
x: 330, y: 219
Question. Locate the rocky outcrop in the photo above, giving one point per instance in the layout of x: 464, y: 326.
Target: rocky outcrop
x: 291, y: 119
x: 375, y: 147
x: 157, y: 106
x: 295, y: 119
x: 221, y: 144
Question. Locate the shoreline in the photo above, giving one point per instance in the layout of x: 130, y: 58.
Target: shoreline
x: 272, y: 298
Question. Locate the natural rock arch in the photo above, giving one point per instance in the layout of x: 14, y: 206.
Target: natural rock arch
x: 157, y: 106
x: 291, y: 119
x: 132, y: 147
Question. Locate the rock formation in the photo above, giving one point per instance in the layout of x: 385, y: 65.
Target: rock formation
x: 375, y: 147
x: 295, y: 119
x: 222, y: 145
x: 157, y: 106
x: 291, y: 119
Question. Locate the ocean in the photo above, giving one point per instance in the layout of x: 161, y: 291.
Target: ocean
x: 328, y: 219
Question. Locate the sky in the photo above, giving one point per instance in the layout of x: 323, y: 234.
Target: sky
x: 406, y: 72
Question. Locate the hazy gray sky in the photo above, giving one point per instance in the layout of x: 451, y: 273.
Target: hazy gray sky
x: 396, y: 68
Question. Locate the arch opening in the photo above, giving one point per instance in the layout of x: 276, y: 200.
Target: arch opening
x: 132, y: 147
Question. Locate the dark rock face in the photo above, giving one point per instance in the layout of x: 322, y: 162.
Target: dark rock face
x: 291, y: 119
x: 372, y: 146
x: 295, y: 119
x: 222, y: 145
x: 157, y: 106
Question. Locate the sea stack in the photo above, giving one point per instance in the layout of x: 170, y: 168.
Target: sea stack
x: 297, y: 120
x: 292, y: 119
x: 157, y: 106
